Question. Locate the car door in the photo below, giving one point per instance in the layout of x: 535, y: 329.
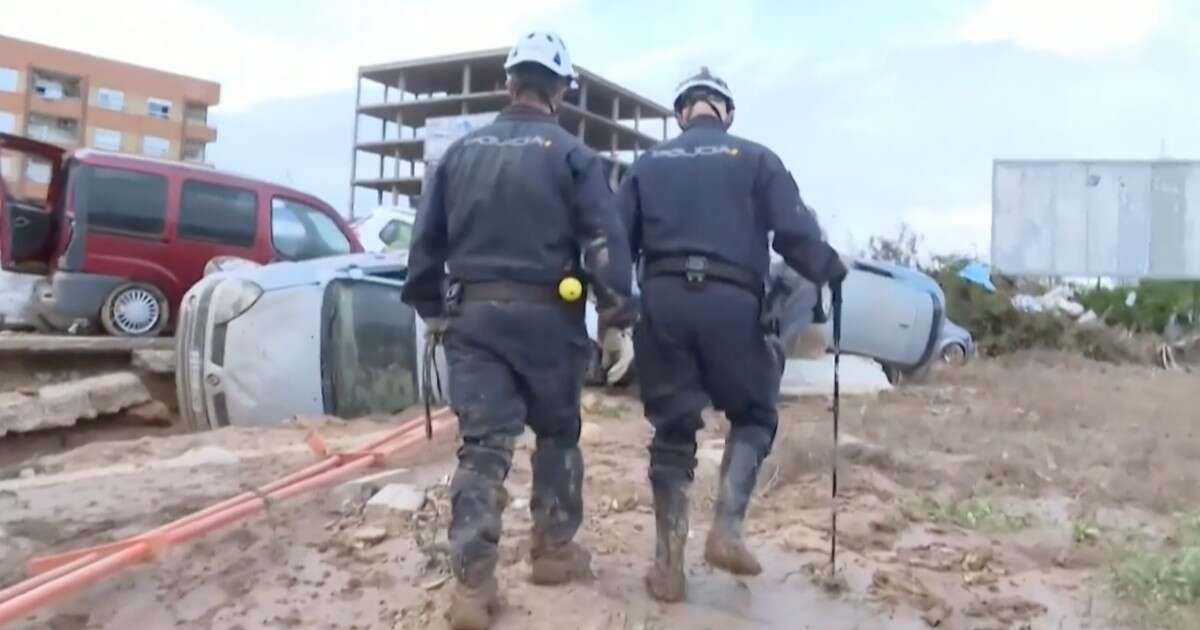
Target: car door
x: 28, y: 226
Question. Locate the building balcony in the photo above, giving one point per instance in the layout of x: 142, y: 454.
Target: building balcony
x: 198, y: 132
x: 61, y: 108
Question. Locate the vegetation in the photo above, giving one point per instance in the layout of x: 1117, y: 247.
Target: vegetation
x: 979, y: 513
x: 1165, y: 577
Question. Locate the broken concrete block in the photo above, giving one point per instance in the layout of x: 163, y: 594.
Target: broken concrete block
x: 155, y: 361
x: 64, y: 403
x: 358, y: 491
x: 18, y: 412
x: 110, y: 393
x: 395, y: 497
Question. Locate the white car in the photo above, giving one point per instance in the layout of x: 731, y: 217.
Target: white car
x: 256, y: 345
x: 386, y: 229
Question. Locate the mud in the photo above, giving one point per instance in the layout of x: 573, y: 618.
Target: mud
x: 1045, y: 439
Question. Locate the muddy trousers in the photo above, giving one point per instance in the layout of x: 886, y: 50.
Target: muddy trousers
x: 498, y: 385
x: 695, y: 346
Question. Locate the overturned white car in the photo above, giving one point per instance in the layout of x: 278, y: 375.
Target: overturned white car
x: 256, y: 345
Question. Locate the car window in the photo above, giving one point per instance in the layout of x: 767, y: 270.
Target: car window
x: 299, y: 231
x: 370, y: 353
x: 396, y: 235
x: 125, y: 201
x: 221, y: 214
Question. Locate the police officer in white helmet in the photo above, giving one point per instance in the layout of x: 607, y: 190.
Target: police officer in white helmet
x: 700, y: 210
x: 516, y: 210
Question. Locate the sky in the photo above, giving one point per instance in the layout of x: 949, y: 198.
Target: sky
x: 885, y: 111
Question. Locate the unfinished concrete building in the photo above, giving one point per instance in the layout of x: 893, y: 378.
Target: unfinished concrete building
x: 395, y: 100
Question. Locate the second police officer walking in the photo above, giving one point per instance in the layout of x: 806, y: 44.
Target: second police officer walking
x: 702, y: 211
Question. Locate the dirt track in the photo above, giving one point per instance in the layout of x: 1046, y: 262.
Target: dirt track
x: 1037, y: 444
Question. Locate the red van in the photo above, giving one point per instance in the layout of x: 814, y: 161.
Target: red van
x: 121, y: 238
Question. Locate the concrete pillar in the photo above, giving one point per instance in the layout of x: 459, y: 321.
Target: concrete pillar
x: 664, y: 129
x: 637, y: 117
x: 583, y: 98
x: 354, y: 142
x: 466, y: 79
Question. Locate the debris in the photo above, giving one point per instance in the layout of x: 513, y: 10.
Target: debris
x: 436, y: 584
x: 154, y: 413
x: 395, y: 497
x: 207, y: 456
x: 154, y: 361
x: 358, y: 491
x: 369, y: 535
x: 978, y: 273
x: 977, y: 559
x: 64, y: 404
x: 27, y: 473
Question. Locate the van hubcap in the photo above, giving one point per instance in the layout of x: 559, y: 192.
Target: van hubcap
x: 136, y: 311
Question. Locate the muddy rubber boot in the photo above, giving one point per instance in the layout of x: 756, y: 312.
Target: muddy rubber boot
x: 725, y: 548
x: 560, y: 565
x: 665, y: 581
x: 474, y: 608
x: 556, y: 508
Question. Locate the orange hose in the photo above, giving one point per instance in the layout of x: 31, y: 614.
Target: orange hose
x: 46, y: 563
x: 46, y: 589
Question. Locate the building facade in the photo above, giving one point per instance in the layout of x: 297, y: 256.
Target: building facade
x: 399, y: 104
x: 76, y: 100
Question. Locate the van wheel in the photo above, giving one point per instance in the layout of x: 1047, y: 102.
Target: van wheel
x: 134, y: 310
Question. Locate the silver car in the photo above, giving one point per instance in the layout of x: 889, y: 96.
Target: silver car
x: 330, y: 336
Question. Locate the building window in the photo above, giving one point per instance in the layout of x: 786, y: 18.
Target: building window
x: 125, y: 201
x: 37, y: 170
x: 154, y: 146
x: 396, y: 235
x: 9, y: 80
x: 158, y: 108
x: 110, y: 99
x: 209, y: 212
x: 8, y: 122
x: 193, y: 152
x: 106, y: 139
x: 300, y: 232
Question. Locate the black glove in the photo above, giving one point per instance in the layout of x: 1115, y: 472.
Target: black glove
x: 835, y: 270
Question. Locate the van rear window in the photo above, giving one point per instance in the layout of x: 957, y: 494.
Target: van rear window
x: 125, y: 201
x: 221, y: 214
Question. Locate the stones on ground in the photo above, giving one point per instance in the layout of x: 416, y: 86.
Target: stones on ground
x: 64, y: 404
x: 207, y: 456
x: 154, y: 413
x: 590, y: 433
x: 357, y: 492
x: 154, y: 361
x: 369, y: 535
x: 395, y: 498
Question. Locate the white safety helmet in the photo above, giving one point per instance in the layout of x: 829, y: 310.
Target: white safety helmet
x: 703, y: 80
x: 545, y: 49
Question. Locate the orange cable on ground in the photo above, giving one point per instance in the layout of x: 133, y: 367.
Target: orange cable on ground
x: 72, y: 572
x: 46, y: 563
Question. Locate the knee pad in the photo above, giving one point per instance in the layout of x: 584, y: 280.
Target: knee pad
x: 490, y: 456
x: 758, y: 437
x: 673, y: 455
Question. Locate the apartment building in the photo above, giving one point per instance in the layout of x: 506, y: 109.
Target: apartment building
x: 77, y: 100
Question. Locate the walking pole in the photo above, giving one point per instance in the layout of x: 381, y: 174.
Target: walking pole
x: 836, y: 290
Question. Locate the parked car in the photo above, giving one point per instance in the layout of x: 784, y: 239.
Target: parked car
x: 386, y: 229
x: 119, y: 239
x: 326, y: 336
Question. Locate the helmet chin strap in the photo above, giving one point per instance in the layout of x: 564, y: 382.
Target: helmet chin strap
x: 711, y: 106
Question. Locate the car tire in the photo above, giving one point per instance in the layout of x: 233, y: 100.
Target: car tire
x: 135, y: 309
x: 954, y: 354
x: 898, y: 376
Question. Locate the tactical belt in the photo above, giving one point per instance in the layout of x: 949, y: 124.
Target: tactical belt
x: 508, y: 291
x: 698, y: 269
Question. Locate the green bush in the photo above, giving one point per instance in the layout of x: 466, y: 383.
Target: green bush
x: 1156, y: 302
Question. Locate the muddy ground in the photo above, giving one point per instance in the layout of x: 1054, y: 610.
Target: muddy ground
x: 962, y: 507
